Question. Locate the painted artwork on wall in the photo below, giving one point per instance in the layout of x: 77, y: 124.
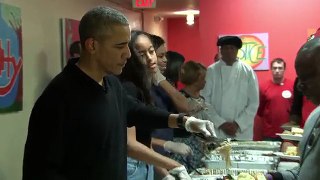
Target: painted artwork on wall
x: 70, y: 37
x: 255, y: 50
x: 10, y: 59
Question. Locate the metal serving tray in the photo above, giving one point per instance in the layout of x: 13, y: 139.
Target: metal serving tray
x: 256, y: 145
x: 220, y: 164
x: 213, y: 174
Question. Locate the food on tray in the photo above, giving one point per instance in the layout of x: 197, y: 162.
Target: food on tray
x: 254, y: 176
x: 225, y: 150
x: 294, y: 131
x: 259, y: 176
x: 228, y: 177
x: 291, y: 151
x: 286, y: 132
x: 245, y: 176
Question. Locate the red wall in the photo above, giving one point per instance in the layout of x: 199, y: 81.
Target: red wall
x: 286, y: 21
x: 183, y: 38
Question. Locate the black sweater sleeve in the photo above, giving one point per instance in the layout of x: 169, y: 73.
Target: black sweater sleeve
x: 137, y: 113
x: 296, y: 108
x: 146, y: 116
x: 44, y: 150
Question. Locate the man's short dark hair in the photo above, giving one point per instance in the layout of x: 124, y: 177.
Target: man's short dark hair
x: 97, y: 21
x: 278, y: 60
x: 75, y: 48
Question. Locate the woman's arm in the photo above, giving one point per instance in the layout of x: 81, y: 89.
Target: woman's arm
x: 179, y: 101
x: 141, y: 152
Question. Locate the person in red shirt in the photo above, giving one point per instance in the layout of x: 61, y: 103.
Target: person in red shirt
x: 275, y: 101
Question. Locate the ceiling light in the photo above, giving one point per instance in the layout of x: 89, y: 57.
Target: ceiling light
x: 195, y: 12
x: 190, y: 19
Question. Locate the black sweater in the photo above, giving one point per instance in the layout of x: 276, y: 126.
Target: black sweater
x: 77, y: 129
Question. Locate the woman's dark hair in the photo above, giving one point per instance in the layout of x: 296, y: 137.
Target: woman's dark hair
x: 157, y: 41
x: 175, y: 60
x: 134, y: 71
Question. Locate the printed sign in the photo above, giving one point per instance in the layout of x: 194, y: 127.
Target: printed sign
x: 255, y: 50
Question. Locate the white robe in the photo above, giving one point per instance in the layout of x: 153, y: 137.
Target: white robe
x: 233, y: 92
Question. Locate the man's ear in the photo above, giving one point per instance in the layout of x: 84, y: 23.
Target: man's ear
x: 90, y: 45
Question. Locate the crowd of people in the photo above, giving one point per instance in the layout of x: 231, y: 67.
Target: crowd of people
x: 115, y: 110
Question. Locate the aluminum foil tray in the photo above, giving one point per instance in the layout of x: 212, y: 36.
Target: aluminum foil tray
x: 221, y: 172
x: 220, y: 164
x: 256, y: 145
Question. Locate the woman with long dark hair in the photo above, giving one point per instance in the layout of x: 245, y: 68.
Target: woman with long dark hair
x: 137, y: 77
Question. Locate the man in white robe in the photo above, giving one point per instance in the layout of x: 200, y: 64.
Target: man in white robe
x: 232, y: 90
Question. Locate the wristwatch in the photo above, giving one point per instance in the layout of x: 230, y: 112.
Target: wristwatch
x: 180, y: 122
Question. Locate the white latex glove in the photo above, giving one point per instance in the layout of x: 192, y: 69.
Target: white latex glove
x: 169, y: 177
x: 157, y: 77
x: 178, y: 148
x: 180, y: 173
x: 204, y: 127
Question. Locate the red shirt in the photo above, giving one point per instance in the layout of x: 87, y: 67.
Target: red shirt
x: 275, y: 105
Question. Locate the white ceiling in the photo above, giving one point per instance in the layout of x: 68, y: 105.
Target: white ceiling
x: 164, y: 7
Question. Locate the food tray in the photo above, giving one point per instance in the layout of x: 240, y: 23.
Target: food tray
x: 219, y: 164
x: 290, y: 137
x: 242, y: 157
x: 211, y: 174
x: 256, y: 145
x: 252, y: 152
x: 288, y: 157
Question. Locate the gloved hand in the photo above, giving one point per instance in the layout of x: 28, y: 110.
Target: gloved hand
x: 180, y: 173
x: 178, y: 148
x: 195, y: 125
x: 157, y: 77
x: 169, y: 177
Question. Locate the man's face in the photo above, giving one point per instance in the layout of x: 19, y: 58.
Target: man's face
x: 146, y: 52
x: 112, y: 53
x: 277, y: 70
x: 162, y: 60
x: 229, y: 52
x: 308, y: 71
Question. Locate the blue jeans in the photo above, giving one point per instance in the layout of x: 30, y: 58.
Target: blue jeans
x: 138, y: 170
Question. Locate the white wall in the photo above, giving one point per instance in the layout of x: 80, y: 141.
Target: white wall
x: 41, y: 61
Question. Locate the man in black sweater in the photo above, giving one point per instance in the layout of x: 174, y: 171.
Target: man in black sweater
x: 77, y: 127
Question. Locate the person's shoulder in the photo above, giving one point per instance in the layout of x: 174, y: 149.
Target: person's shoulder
x: 247, y: 69
x: 58, y: 83
x: 113, y: 81
x: 314, y: 115
x: 129, y: 86
x: 213, y: 66
x: 266, y: 85
x: 55, y: 90
x: 245, y: 66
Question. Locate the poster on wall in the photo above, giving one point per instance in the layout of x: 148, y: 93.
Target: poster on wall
x: 255, y: 50
x: 70, y: 37
x: 10, y: 59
